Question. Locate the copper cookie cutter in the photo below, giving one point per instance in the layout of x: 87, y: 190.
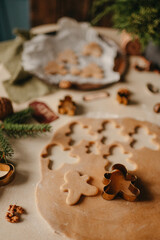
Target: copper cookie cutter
x: 120, y: 182
x: 8, y: 177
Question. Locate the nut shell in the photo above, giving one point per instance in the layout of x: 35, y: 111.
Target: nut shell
x: 6, y: 108
x: 157, y: 108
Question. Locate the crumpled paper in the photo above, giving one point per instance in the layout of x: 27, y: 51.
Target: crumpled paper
x: 72, y: 35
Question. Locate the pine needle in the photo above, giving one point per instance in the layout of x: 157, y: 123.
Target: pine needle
x: 6, y: 150
x: 20, y: 117
x: 15, y: 126
x: 139, y: 18
x: 24, y: 130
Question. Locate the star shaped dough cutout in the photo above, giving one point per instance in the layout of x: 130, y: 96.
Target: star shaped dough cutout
x: 76, y: 186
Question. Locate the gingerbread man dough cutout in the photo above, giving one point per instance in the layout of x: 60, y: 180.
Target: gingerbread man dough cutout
x: 76, y: 185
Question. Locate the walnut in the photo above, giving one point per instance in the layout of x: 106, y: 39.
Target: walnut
x: 123, y: 96
x: 157, y: 108
x: 65, y: 84
x: 5, y: 108
x: 15, y: 209
x: 12, y: 218
x: 13, y: 214
x: 67, y: 106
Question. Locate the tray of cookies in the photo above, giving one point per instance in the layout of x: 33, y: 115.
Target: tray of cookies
x: 76, y: 56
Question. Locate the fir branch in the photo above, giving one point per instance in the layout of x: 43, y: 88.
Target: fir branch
x: 15, y: 126
x: 6, y: 150
x: 140, y: 18
x: 99, y: 16
x: 24, y: 130
x: 99, y: 9
x: 20, y: 117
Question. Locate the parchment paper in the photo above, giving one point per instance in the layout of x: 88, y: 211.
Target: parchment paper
x: 72, y: 35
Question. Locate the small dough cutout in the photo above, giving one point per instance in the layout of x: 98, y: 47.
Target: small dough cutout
x: 76, y: 185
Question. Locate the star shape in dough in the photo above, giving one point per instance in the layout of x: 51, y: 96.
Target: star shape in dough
x: 76, y: 185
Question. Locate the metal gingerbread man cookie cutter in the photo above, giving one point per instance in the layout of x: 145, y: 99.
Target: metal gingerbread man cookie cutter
x: 119, y: 182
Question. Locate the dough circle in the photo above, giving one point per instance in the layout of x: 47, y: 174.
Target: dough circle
x: 94, y: 218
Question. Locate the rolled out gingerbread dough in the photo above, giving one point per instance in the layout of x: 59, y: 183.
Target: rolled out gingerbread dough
x: 92, y: 217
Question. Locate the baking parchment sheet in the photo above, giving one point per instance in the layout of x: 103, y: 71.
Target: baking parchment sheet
x: 72, y: 35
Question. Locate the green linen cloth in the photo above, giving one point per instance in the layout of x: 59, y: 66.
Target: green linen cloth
x: 31, y: 88
x: 22, y: 86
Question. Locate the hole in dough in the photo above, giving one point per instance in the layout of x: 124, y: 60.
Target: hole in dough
x: 92, y: 148
x: 143, y: 139
x: 58, y: 157
x: 117, y: 155
x: 110, y: 133
x: 79, y: 133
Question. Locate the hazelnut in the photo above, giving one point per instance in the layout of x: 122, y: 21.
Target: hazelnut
x: 157, y: 108
x: 5, y: 108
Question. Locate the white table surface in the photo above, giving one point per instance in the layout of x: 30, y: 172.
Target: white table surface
x: 27, y: 151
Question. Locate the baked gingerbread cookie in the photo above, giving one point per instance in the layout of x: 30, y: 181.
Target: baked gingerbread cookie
x: 55, y: 68
x: 73, y: 165
x: 67, y: 56
x: 75, y: 71
x: 92, y: 49
x: 92, y: 70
